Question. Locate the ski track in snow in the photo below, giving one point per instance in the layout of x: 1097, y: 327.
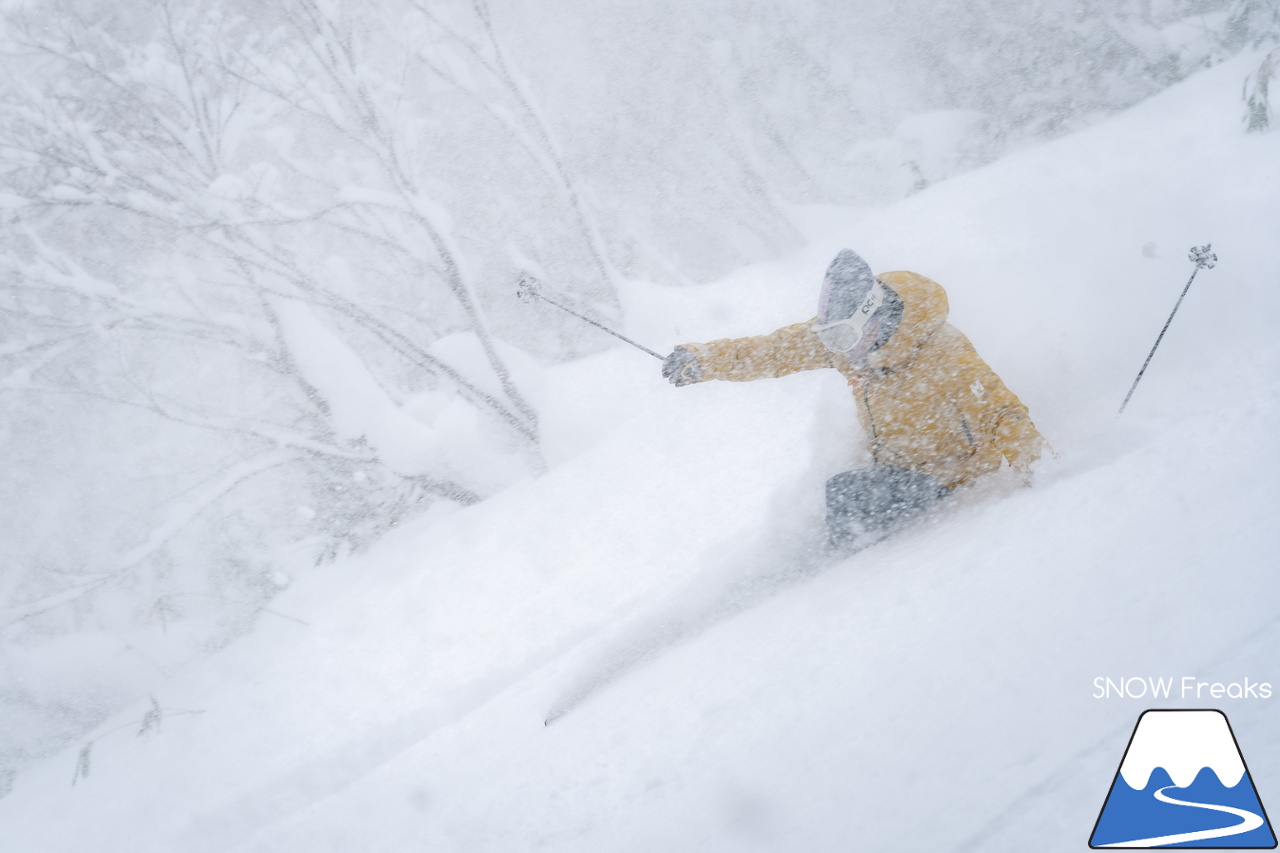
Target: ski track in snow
x: 749, y: 576
x: 688, y: 611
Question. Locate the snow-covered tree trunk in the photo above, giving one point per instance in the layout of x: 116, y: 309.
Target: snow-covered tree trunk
x: 1257, y: 95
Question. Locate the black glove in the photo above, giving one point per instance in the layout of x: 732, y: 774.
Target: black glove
x: 682, y: 368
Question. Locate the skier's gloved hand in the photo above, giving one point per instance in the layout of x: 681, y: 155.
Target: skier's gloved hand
x: 682, y: 368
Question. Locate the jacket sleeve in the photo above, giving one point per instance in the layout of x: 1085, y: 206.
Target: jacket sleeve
x: 1018, y: 439
x: 790, y: 349
x: 1012, y: 431
x: 1002, y: 418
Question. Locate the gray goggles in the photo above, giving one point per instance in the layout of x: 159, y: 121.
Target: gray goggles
x: 843, y: 335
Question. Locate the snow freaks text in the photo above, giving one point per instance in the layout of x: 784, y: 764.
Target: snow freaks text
x: 1186, y: 687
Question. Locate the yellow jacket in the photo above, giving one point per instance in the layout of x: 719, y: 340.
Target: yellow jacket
x: 927, y: 400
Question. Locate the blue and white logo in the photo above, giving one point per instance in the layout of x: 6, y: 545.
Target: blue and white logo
x: 1183, y: 783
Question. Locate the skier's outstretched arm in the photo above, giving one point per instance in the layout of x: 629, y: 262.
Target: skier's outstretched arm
x: 790, y: 349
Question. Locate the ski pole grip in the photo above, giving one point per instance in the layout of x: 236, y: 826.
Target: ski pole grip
x: 1202, y: 257
x: 529, y: 289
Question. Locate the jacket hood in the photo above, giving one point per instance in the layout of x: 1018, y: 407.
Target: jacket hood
x: 924, y: 311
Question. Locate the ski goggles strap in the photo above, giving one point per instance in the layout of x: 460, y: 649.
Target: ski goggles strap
x: 844, y: 335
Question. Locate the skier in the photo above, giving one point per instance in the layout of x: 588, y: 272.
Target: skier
x: 936, y: 415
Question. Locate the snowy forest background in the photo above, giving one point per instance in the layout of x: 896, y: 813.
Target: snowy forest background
x: 257, y: 265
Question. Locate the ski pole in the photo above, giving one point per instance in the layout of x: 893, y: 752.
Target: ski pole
x: 530, y: 289
x: 1202, y: 258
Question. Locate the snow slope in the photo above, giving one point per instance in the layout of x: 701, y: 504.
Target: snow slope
x: 932, y: 693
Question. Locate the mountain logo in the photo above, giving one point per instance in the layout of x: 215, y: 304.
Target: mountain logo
x: 1183, y: 783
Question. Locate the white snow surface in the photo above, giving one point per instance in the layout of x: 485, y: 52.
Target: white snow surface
x: 934, y: 692
x: 1183, y: 743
